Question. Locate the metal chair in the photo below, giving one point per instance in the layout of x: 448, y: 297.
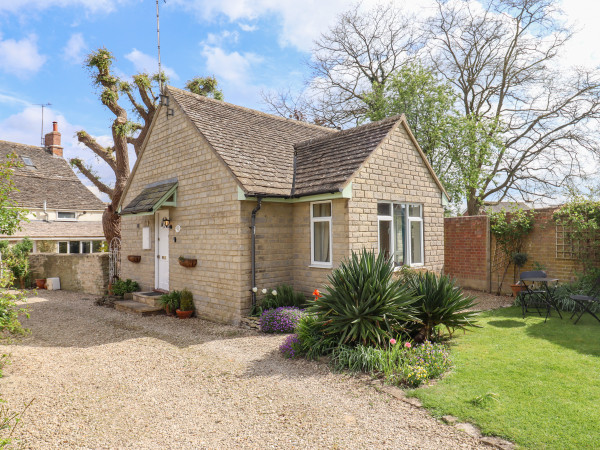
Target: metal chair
x: 586, y: 302
x: 533, y: 297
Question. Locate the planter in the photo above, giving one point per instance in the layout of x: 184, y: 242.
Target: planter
x: 134, y: 258
x: 40, y: 283
x: 188, y: 262
x: 168, y: 310
x: 516, y: 288
x: 184, y: 314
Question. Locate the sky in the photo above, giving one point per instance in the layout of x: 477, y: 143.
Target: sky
x: 249, y: 45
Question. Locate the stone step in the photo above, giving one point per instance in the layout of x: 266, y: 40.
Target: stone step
x: 149, y: 298
x: 134, y: 307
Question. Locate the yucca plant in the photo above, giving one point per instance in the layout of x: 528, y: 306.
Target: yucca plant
x: 362, y: 304
x: 441, y: 303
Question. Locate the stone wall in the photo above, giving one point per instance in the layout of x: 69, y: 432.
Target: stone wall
x: 81, y: 273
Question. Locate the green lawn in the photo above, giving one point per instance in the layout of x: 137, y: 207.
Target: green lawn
x: 546, y: 377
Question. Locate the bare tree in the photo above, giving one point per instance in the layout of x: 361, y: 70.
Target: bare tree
x: 502, y: 57
x: 360, y: 52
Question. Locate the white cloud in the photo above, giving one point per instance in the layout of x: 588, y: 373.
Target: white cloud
x: 233, y: 67
x: 247, y: 27
x: 21, y: 58
x: 17, y: 6
x: 149, y: 64
x: 583, y: 49
x: 222, y: 37
x: 75, y: 49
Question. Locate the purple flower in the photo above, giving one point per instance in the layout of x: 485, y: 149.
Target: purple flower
x: 280, y: 320
x: 287, y: 348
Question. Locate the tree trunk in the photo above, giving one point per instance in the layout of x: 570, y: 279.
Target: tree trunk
x: 111, y: 224
x: 473, y: 205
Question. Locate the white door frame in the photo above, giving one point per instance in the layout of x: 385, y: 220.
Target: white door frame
x: 158, y: 220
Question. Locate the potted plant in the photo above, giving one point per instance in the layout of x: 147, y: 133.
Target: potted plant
x: 186, y: 305
x: 134, y: 258
x: 519, y: 260
x: 170, y: 302
x: 187, y: 262
x: 40, y: 283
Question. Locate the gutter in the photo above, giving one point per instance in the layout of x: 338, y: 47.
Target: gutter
x: 253, y: 249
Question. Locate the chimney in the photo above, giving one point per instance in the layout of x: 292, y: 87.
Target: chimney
x: 52, y: 141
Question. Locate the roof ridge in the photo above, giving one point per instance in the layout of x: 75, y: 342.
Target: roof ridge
x: 21, y: 145
x: 254, y: 111
x: 347, y: 131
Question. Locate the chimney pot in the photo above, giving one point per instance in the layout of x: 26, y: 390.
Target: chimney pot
x: 52, y: 141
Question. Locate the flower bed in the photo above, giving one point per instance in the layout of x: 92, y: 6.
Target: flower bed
x: 280, y: 320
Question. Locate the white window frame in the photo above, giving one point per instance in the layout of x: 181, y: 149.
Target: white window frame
x: 408, y: 250
x: 313, y: 220
x: 66, y: 219
x: 91, y: 242
x: 28, y: 164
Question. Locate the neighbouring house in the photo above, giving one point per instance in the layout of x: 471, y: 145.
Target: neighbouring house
x: 64, y: 215
x: 260, y: 200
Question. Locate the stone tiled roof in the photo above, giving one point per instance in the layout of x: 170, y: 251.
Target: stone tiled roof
x: 52, y: 180
x: 149, y: 197
x: 59, y: 229
x: 325, y: 164
x: 257, y: 147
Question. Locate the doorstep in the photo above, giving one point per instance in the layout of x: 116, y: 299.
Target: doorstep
x: 142, y: 309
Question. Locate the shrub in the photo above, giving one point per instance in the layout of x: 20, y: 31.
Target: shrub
x: 312, y: 343
x: 282, y: 295
x: 400, y: 364
x: 172, y: 300
x: 581, y: 286
x: 280, y: 320
x: 362, y: 304
x: 186, y: 302
x: 121, y: 287
x: 289, y: 348
x: 440, y: 303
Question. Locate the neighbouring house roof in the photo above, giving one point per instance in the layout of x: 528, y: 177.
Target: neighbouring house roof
x: 38, y: 229
x: 51, y: 180
x: 151, y: 197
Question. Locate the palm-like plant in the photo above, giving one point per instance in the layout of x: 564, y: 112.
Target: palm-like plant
x: 441, y: 303
x: 362, y: 304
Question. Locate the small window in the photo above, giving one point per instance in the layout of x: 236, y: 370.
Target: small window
x: 66, y: 215
x: 97, y: 246
x: 86, y: 246
x: 74, y: 247
x: 401, y: 233
x: 28, y: 162
x: 320, y: 234
x: 63, y: 247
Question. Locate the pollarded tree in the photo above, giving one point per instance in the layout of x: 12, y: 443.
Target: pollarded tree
x: 143, y: 96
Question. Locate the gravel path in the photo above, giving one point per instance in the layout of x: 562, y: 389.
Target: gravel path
x: 104, y: 379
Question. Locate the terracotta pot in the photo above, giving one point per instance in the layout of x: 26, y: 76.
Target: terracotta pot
x: 168, y: 310
x: 188, y: 262
x: 516, y: 288
x: 184, y: 314
x: 134, y: 258
x: 40, y: 283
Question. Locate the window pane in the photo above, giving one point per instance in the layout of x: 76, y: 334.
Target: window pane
x: 86, y: 247
x: 97, y: 246
x: 416, y: 245
x: 385, y: 238
x: 384, y: 209
x: 321, y: 237
x: 73, y: 246
x: 399, y: 234
x: 66, y: 215
x: 62, y: 247
x: 414, y: 211
x: 322, y: 210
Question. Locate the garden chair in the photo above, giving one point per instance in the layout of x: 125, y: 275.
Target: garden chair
x: 533, y: 296
x: 586, y: 302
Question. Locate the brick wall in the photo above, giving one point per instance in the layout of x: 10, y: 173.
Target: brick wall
x: 467, y: 254
x: 81, y: 273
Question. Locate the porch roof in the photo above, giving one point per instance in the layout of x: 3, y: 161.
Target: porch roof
x: 152, y: 197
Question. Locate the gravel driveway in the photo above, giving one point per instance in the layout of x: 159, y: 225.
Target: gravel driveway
x: 104, y: 379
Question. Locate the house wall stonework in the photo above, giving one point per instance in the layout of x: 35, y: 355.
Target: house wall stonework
x: 396, y: 172
x: 207, y: 211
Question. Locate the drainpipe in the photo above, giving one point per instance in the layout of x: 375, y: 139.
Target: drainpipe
x: 253, y: 228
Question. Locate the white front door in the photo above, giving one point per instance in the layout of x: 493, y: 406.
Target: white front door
x: 162, y: 252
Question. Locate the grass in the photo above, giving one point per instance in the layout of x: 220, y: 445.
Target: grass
x: 534, y: 383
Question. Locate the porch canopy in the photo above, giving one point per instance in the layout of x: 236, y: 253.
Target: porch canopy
x: 152, y: 197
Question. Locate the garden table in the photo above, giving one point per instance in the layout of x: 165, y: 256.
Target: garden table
x: 543, y: 294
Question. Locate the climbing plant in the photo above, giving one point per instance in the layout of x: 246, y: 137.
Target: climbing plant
x: 510, y: 229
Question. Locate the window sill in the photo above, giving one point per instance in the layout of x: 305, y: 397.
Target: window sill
x: 321, y: 266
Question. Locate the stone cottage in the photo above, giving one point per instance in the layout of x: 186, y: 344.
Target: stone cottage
x: 259, y: 200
